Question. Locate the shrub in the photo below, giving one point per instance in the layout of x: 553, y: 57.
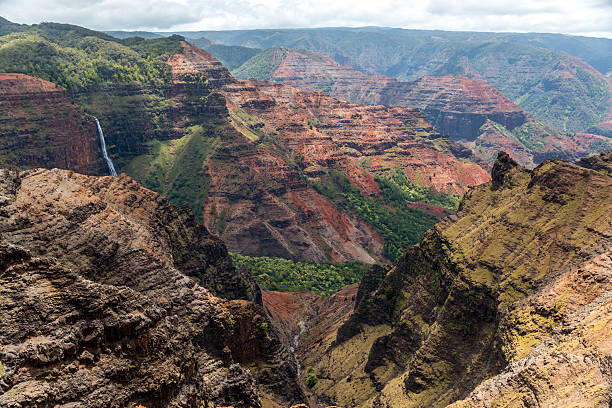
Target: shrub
x: 311, y: 377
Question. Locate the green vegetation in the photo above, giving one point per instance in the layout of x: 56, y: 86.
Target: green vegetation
x: 400, y: 225
x: 311, y: 377
x: 175, y: 168
x: 396, y: 188
x: 231, y: 57
x: 532, y: 135
x: 251, y: 127
x: 77, y: 58
x: 288, y: 276
x: 262, y: 65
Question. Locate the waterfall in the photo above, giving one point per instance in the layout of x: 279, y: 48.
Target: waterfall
x: 296, y: 343
x: 109, y: 162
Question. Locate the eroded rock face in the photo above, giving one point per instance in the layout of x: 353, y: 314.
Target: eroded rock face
x: 279, y: 138
x: 42, y: 127
x: 256, y: 198
x: 515, y: 287
x: 328, y: 133
x: 570, y: 364
x: 468, y: 110
x: 110, y: 296
x: 308, y: 314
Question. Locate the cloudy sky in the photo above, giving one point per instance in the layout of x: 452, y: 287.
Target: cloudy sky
x: 585, y: 17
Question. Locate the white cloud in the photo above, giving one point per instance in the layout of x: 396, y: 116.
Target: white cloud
x: 586, y: 17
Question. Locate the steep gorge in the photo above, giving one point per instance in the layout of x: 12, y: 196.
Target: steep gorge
x: 279, y: 141
x: 255, y: 161
x: 506, y: 303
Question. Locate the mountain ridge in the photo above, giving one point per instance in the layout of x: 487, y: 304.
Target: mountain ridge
x: 553, y: 85
x: 467, y: 109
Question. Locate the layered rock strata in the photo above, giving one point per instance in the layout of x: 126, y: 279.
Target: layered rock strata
x: 468, y: 110
x: 505, y: 303
x: 42, y: 127
x: 110, y: 296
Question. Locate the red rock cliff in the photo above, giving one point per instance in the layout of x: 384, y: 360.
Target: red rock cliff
x: 42, y: 127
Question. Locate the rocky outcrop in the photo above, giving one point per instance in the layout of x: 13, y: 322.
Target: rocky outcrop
x: 457, y: 106
x: 317, y: 72
x: 601, y: 162
x: 505, y: 303
x: 42, y: 127
x: 570, y: 365
x: 110, y: 296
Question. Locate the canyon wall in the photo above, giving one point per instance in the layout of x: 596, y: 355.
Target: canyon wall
x: 41, y: 126
x: 112, y: 296
x: 505, y: 303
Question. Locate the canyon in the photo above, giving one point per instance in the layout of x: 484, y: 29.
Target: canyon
x: 254, y: 159
x: 506, y: 303
x: 489, y: 274
x: 111, y: 295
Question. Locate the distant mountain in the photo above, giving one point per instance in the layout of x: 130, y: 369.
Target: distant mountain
x: 8, y: 27
x: 127, y: 34
x: 466, y: 109
x: 231, y: 56
x: 595, y: 51
x: 533, y: 70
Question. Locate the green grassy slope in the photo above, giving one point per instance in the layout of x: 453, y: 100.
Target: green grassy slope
x: 262, y: 65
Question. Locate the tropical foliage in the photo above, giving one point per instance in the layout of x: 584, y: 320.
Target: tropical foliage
x: 289, y: 276
x: 77, y: 58
x: 399, y: 224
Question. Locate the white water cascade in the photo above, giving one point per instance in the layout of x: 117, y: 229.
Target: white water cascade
x: 296, y: 343
x: 109, y: 162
